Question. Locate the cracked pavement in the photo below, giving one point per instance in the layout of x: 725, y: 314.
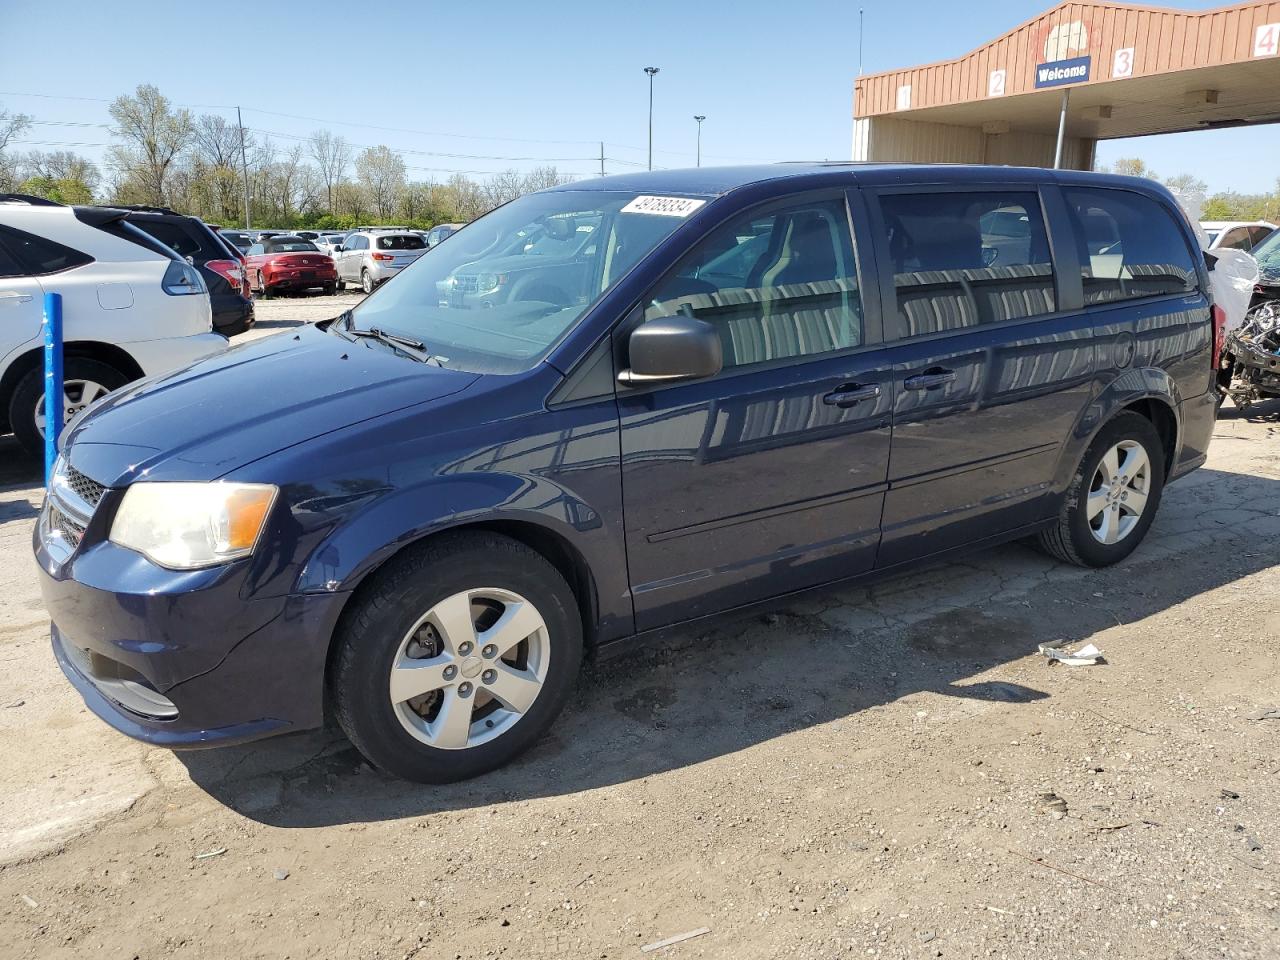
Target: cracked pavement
x: 863, y: 772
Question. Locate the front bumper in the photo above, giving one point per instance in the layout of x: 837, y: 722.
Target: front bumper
x: 180, y: 659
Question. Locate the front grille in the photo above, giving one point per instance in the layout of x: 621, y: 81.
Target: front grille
x: 90, y: 491
x: 71, y: 530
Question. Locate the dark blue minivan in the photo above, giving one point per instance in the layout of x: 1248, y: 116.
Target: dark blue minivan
x: 614, y: 408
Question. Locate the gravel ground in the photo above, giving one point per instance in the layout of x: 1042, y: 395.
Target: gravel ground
x: 864, y: 773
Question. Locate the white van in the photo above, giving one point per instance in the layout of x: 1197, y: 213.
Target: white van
x: 130, y: 307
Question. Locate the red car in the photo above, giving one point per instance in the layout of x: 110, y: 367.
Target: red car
x: 289, y: 263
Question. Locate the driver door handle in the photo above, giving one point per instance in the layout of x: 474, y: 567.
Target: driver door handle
x: 847, y: 394
x: 11, y: 296
x: 931, y: 379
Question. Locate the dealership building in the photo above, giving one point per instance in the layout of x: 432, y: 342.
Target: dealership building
x: 1047, y: 91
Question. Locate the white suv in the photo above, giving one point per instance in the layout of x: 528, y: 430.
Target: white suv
x: 370, y: 257
x: 130, y: 307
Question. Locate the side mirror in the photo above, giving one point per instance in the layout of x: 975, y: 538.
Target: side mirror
x: 672, y: 348
x: 338, y: 249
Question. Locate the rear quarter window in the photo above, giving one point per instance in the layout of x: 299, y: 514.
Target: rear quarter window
x: 1130, y: 246
x: 39, y: 256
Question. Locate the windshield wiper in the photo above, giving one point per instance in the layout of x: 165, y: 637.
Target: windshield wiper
x: 409, y: 346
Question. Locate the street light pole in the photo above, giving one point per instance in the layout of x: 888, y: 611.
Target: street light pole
x: 699, y: 118
x: 651, y: 71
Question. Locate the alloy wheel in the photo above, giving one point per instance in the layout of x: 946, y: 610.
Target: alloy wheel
x: 1118, y: 492
x: 76, y: 395
x: 470, y: 668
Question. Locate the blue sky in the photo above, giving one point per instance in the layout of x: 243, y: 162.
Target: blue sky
x: 774, y: 79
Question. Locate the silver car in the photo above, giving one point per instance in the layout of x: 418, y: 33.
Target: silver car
x: 371, y: 257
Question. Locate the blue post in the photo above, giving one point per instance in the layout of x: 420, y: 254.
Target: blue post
x: 53, y: 389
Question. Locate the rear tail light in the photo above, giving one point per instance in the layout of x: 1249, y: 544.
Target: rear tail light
x: 181, y: 279
x: 1219, y: 334
x: 384, y: 256
x: 230, y: 271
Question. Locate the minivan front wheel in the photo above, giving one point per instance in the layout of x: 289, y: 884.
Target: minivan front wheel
x: 456, y: 658
x: 1113, y: 496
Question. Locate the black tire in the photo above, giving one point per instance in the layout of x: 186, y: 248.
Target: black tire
x: 26, y: 396
x: 366, y: 282
x: 266, y: 291
x: 1071, y: 540
x: 371, y: 632
x: 339, y: 285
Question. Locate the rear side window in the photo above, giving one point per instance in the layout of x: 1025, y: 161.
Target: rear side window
x: 174, y: 236
x: 775, y: 286
x: 1130, y: 246
x: 963, y: 259
x: 404, y: 242
x: 9, y: 266
x: 39, y: 256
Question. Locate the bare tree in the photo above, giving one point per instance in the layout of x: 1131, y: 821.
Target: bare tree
x: 540, y: 178
x: 62, y: 165
x: 12, y: 126
x: 154, y: 135
x: 332, y: 155
x: 381, y: 172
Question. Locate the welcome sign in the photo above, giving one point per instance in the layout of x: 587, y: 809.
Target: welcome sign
x: 1060, y: 72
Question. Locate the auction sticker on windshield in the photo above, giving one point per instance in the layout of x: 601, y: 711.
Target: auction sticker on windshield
x: 663, y: 206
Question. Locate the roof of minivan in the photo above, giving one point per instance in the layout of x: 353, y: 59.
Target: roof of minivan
x: 715, y: 181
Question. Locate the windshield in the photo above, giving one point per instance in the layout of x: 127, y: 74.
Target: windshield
x: 291, y: 246
x: 501, y: 292
x: 1267, y: 253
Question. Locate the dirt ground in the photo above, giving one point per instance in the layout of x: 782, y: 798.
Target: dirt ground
x: 861, y: 774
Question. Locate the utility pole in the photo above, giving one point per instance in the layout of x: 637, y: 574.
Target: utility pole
x: 244, y: 169
x: 602, y: 158
x: 859, y: 41
x: 699, y: 118
x: 651, y: 71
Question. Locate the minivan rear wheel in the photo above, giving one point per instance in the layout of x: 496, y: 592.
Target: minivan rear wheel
x: 1113, y: 496
x: 83, y: 381
x: 456, y: 658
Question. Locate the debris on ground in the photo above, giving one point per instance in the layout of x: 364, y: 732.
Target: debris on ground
x: 1228, y: 794
x: 29, y: 902
x: 1086, y: 656
x: 1266, y: 713
x: 678, y: 938
x: 211, y: 853
x: 282, y: 874
x: 1050, y: 802
x: 14, y: 705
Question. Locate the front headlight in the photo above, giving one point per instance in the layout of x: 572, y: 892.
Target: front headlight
x: 185, y: 526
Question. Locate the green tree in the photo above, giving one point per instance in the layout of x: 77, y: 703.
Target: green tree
x: 154, y: 135
x: 61, y: 190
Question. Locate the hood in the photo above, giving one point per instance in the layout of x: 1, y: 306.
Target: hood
x: 221, y: 413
